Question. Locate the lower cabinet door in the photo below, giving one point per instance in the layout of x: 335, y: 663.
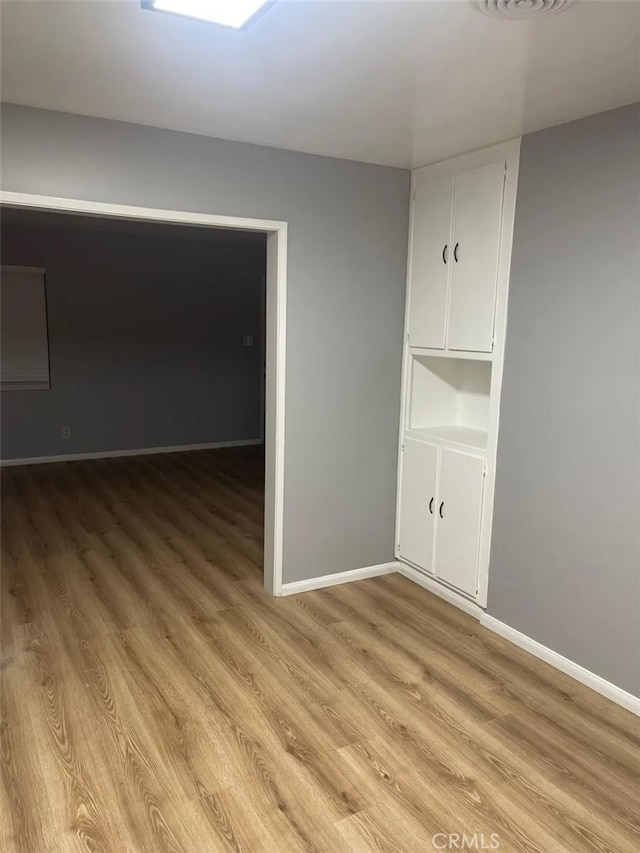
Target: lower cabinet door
x: 418, y: 502
x: 459, y: 513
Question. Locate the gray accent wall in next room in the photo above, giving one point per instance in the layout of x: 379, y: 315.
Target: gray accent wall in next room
x: 146, y: 330
x: 565, y: 562
x: 346, y: 278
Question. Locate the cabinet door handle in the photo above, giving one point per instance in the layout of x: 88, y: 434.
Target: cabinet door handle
x: 440, y: 510
x: 431, y: 506
x: 455, y: 252
x: 444, y: 253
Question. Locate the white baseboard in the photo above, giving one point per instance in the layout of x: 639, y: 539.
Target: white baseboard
x: 114, y: 454
x: 338, y: 578
x: 440, y: 590
x: 585, y: 676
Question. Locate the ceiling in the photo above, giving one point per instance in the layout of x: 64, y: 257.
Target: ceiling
x: 394, y: 82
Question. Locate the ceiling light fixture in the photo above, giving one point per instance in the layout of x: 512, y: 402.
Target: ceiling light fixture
x: 236, y: 14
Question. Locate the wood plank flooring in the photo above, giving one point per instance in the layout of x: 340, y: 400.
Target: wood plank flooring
x: 154, y: 698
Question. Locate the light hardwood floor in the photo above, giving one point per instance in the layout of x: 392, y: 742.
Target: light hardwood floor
x: 154, y: 698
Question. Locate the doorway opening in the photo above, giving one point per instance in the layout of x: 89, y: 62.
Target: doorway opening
x: 247, y: 319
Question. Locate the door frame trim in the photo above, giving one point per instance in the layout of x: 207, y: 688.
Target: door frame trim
x: 276, y: 231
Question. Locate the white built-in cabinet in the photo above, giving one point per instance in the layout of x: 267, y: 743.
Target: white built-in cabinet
x: 442, y: 496
x: 429, y: 269
x: 455, y: 244
x: 417, y: 500
x: 458, y: 272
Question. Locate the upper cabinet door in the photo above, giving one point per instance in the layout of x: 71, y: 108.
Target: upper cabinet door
x: 459, y: 511
x: 430, y: 259
x: 418, y: 501
x: 474, y: 257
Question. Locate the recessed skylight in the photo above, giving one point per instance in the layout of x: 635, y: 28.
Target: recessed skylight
x: 227, y: 13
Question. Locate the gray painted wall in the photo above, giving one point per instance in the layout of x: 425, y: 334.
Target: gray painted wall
x: 347, y: 254
x: 145, y: 336
x: 565, y: 563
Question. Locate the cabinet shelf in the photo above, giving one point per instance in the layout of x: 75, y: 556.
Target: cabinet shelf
x: 449, y: 400
x: 452, y: 434
x: 425, y: 352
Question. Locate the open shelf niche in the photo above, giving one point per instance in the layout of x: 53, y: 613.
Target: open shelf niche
x: 449, y: 399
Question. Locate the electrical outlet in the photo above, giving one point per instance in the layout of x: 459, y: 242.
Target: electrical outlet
x: 66, y: 432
